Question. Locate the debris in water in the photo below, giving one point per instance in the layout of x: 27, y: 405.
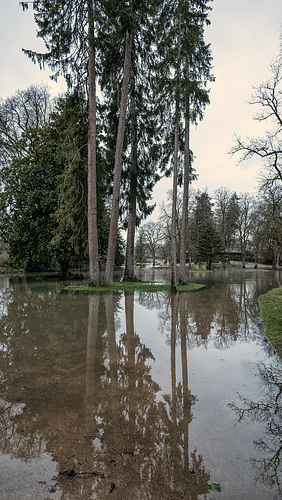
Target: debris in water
x: 72, y: 472
x: 180, y: 492
x: 214, y: 486
x: 67, y: 472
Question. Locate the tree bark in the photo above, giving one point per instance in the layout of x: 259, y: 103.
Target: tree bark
x: 129, y: 273
x: 174, y: 196
x: 109, y: 272
x: 183, y: 239
x: 173, y: 283
x: 92, y: 165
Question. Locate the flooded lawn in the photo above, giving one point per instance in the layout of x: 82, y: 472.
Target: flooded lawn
x: 139, y: 396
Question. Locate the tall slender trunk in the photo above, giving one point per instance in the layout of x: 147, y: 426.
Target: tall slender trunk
x: 174, y: 196
x: 276, y: 257
x: 173, y: 283
x: 129, y: 274
x: 92, y: 164
x: 109, y: 272
x: 243, y: 259
x: 184, y: 225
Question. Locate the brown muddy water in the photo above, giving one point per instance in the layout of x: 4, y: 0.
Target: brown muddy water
x: 139, y: 396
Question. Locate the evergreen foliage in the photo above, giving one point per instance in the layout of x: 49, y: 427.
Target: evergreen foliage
x: 44, y: 200
x: 147, y: 58
x: 30, y: 200
x: 209, y: 244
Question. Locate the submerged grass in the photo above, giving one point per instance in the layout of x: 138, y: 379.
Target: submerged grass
x: 130, y: 286
x: 271, y: 307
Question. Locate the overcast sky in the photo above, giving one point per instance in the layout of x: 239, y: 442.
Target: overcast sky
x: 244, y: 38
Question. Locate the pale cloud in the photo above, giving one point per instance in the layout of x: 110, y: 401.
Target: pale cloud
x: 17, y: 31
x: 244, y: 37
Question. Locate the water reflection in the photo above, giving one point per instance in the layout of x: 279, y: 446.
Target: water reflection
x: 218, y: 315
x: 140, y: 443
x: 268, y: 411
x: 82, y: 383
x: 71, y: 388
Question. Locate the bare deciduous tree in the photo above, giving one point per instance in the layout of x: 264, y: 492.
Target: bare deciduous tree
x: 268, y: 147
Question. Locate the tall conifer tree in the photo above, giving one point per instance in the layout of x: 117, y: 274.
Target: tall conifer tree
x: 138, y: 166
x: 67, y: 29
x: 143, y: 131
x: 184, y: 72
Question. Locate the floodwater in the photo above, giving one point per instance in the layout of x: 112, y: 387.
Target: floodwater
x: 139, y: 396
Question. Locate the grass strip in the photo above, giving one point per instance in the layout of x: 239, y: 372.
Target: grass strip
x: 131, y: 286
x: 271, y: 308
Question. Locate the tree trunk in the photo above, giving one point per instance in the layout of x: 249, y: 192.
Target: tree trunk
x: 183, y: 239
x: 129, y: 273
x: 109, y: 273
x: 64, y: 268
x: 244, y: 260
x: 276, y: 258
x: 174, y: 196
x: 173, y: 283
x: 92, y: 167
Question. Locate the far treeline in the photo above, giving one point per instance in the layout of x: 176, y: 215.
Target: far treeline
x: 77, y: 170
x: 223, y: 227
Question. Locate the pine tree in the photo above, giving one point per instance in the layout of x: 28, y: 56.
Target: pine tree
x: 197, y: 73
x: 68, y: 31
x: 184, y: 72
x: 109, y: 272
x: 133, y: 184
x: 208, y: 241
x: 141, y: 175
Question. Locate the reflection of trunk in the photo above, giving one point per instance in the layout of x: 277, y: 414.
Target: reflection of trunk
x: 109, y: 272
x: 131, y: 369
x: 174, y: 439
x: 184, y: 361
x: 114, y: 402
x: 90, y: 364
x: 243, y: 307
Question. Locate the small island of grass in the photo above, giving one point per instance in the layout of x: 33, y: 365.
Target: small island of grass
x: 131, y: 286
x: 271, y: 307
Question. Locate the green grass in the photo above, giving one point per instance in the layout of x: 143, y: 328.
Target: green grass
x: 131, y: 286
x: 271, y: 307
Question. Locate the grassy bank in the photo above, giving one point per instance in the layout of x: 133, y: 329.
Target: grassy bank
x: 131, y: 286
x: 271, y: 307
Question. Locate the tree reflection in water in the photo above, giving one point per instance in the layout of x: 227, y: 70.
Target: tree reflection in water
x: 73, y: 389
x: 79, y: 389
x: 140, y: 443
x: 269, y: 412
